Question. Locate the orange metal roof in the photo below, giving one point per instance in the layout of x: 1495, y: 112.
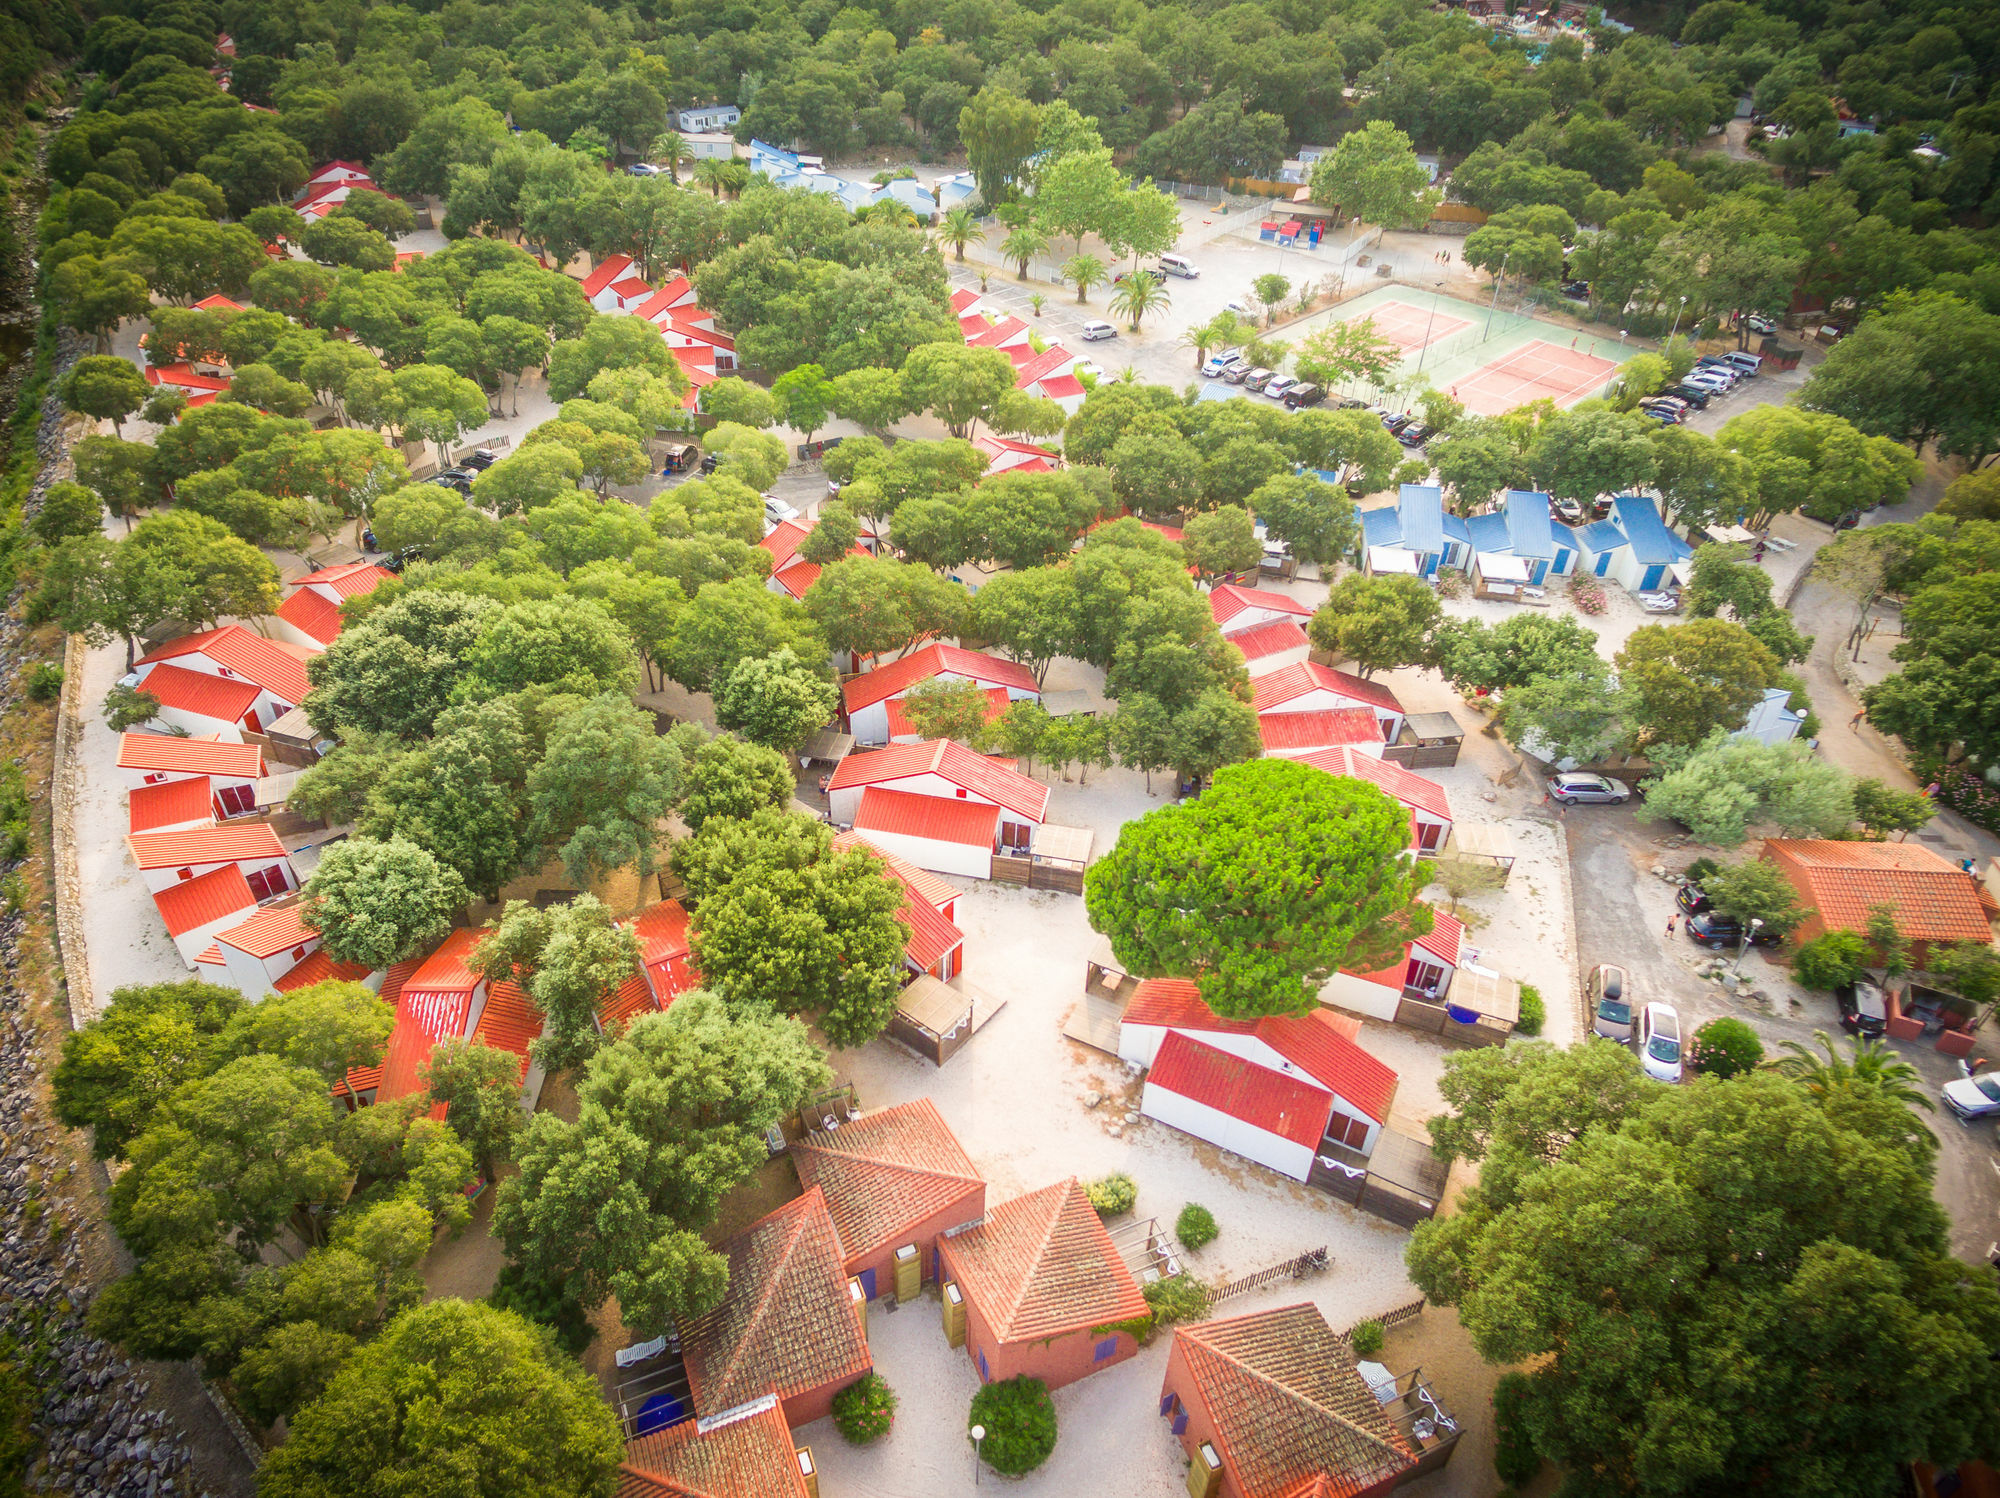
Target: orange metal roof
x: 169, y: 805
x: 1289, y: 682
x: 199, y: 693
x: 607, y: 271
x: 662, y: 931
x: 274, y: 665
x: 349, y: 580
x: 1934, y: 900
x: 1292, y: 1109
x: 166, y: 751
x: 1409, y: 788
x: 927, y: 885
x: 752, y: 1456
x: 1042, y: 1265
x: 886, y: 1172
x: 508, y: 1022
x: 314, y: 613
x: 784, y: 542
x: 787, y: 1323
x: 899, y: 725
x: 318, y: 967
x: 1231, y: 599
x: 269, y: 932
x: 626, y: 1003
x: 450, y: 966
x: 201, y: 901
x: 1272, y: 638
x: 1336, y: 726
x: 967, y: 823
x: 899, y: 676
x: 949, y: 760
x: 233, y: 842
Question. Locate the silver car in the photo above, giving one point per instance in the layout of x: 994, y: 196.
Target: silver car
x: 1660, y: 1042
x: 1570, y: 789
x: 1608, y: 992
x: 1974, y: 1097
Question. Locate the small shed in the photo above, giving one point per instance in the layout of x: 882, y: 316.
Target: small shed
x: 1427, y: 741
x: 1498, y: 575
x: 1061, y: 854
x: 827, y: 747
x: 1482, y: 1008
x: 932, y: 1018
x: 1482, y: 842
x: 293, y: 740
x: 1069, y: 703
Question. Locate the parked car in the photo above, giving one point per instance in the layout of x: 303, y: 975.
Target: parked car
x: 1220, y: 360
x: 1179, y: 265
x: 1975, y: 1096
x: 1672, y: 401
x: 479, y: 461
x: 710, y: 462
x: 1568, y: 511
x: 1694, y: 395
x: 1576, y: 291
x: 1093, y: 331
x: 777, y: 511
x: 642, y: 169
x: 1239, y: 373
x: 1416, y: 434
x: 1758, y: 323
x: 1572, y: 788
x: 1301, y: 396
x: 1746, y: 361
x: 1864, y: 1010
x: 1085, y: 369
x: 1708, y: 382
x: 1256, y: 379
x: 1607, y: 992
x: 1600, y: 508
x: 453, y: 478
x: 1692, y: 901
x: 1660, y: 1042
x: 1277, y: 385
x: 1395, y: 424
x: 1240, y: 309
x: 1718, y: 932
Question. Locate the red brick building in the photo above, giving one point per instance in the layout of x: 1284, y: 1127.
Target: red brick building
x: 746, y: 1452
x: 791, y: 1323
x: 1934, y: 901
x: 1045, y: 1291
x: 1275, y: 1397
x: 894, y: 1179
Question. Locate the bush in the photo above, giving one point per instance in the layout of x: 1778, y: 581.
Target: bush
x: 1701, y: 869
x: 1586, y: 595
x: 1534, y: 1013
x: 1020, y: 1424
x: 1724, y: 1048
x: 1195, y: 1227
x: 1514, y: 1454
x: 45, y: 682
x: 128, y: 707
x: 553, y: 1304
x: 1180, y: 1298
x: 1830, y: 961
x: 865, y: 1409
x: 1365, y: 1338
x: 1113, y: 1194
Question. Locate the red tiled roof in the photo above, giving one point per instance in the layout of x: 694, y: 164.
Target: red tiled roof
x: 963, y: 298
x: 932, y: 934
x: 410, y: 1047
x: 312, y: 614
x: 320, y: 172
x: 318, y: 967
x: 235, y: 842
x: 170, y: 752
x: 170, y: 804
x: 1408, y: 788
x: 199, y: 693
x: 1335, y: 726
x: 1231, y: 599
x: 886, y: 1172
x: 217, y: 303
x: 269, y: 932
x: 201, y: 901
x: 687, y: 327
x: 1289, y: 682
x: 972, y: 324
x: 999, y: 333
x: 662, y: 931
x: 1042, y: 1265
x: 751, y: 1456
x: 626, y: 1003
x: 396, y: 977
x: 607, y: 271
x: 1264, y: 1099
x: 1291, y: 1415
x: 899, y: 725
x: 449, y: 968
x: 276, y: 666
x: 1934, y: 900
x: 899, y: 676
x: 631, y: 287
x: 900, y: 814
x: 990, y: 443
x: 211, y: 955
x: 787, y: 1323
x: 784, y: 542
x: 1272, y: 638
x: 950, y: 761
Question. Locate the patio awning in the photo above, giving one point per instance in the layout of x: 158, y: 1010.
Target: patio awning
x: 1682, y: 572
x: 1065, y: 845
x: 934, y: 1006
x: 1499, y: 567
x: 1732, y: 533
x: 276, y: 790
x: 1391, y: 559
x: 1486, y: 993
x: 1482, y: 840
x: 828, y: 746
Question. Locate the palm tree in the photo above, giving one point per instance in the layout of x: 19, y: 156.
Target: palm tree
x: 1874, y: 1067
x: 1023, y: 245
x: 1140, y: 293
x: 1086, y: 271
x: 958, y: 228
x: 671, y: 151
x: 1201, y: 337
x: 712, y: 173
x: 1036, y: 301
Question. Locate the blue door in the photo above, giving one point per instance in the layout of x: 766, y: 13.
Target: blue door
x: 1603, y: 562
x: 1430, y: 564
x: 1562, y: 561
x: 1652, y: 578
x: 867, y: 1278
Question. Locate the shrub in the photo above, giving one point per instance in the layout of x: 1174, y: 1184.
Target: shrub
x: 1724, y: 1048
x: 1701, y: 869
x: 550, y: 1303
x: 1830, y: 961
x: 1534, y: 1013
x: 865, y: 1409
x: 1195, y: 1227
x: 1514, y: 1454
x: 1113, y: 1194
x: 1586, y: 595
x: 1366, y: 1338
x: 128, y: 707
x: 45, y: 682
x: 1020, y: 1424
x: 1180, y: 1298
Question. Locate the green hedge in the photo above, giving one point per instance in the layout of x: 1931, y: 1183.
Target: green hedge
x: 1020, y: 1424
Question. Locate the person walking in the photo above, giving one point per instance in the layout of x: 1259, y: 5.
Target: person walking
x: 1854, y: 723
x: 1672, y: 921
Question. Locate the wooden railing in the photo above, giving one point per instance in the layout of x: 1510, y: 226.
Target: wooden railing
x: 1311, y: 1262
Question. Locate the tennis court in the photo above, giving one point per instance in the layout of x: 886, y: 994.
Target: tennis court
x: 1412, y: 328
x: 1534, y: 371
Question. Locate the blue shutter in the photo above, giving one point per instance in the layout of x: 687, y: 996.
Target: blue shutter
x: 867, y: 1278
x: 1105, y: 1349
x: 985, y: 1373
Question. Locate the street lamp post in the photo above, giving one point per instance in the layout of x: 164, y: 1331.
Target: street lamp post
x: 1677, y: 319
x: 978, y: 1435
x: 1749, y: 935
x: 1496, y: 294
x: 1429, y: 322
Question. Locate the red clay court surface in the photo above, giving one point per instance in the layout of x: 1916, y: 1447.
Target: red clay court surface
x: 1534, y: 371
x: 1414, y: 327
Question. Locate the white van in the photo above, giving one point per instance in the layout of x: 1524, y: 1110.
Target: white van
x: 1748, y: 363
x: 1177, y: 265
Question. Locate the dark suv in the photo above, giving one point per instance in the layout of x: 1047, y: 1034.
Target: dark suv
x: 1863, y: 1010
x: 1691, y: 900
x: 1719, y: 932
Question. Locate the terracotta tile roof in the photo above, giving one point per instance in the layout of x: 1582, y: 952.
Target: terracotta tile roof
x: 606, y: 272
x: 269, y: 932
x: 1290, y: 682
x: 1265, y: 1099
x: 276, y: 666
x: 1231, y: 599
x: 1409, y: 788
x: 927, y: 885
x: 950, y: 761
x: 198, y: 902
x: 1288, y: 1406
x: 313, y: 614
x: 788, y: 1323
x: 1934, y: 900
x: 749, y: 1457
x: 233, y: 842
x: 900, y: 728
x: 318, y: 967
x: 170, y: 752
x: 886, y: 1172
x: 169, y: 805
x: 898, y: 813
x: 1336, y: 726
x: 1042, y: 1264
x: 898, y: 677
x: 199, y: 693
x: 1273, y: 638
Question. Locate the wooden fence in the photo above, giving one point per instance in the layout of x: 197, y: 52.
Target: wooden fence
x: 1313, y: 1261
x: 1028, y: 874
x: 1390, y: 1320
